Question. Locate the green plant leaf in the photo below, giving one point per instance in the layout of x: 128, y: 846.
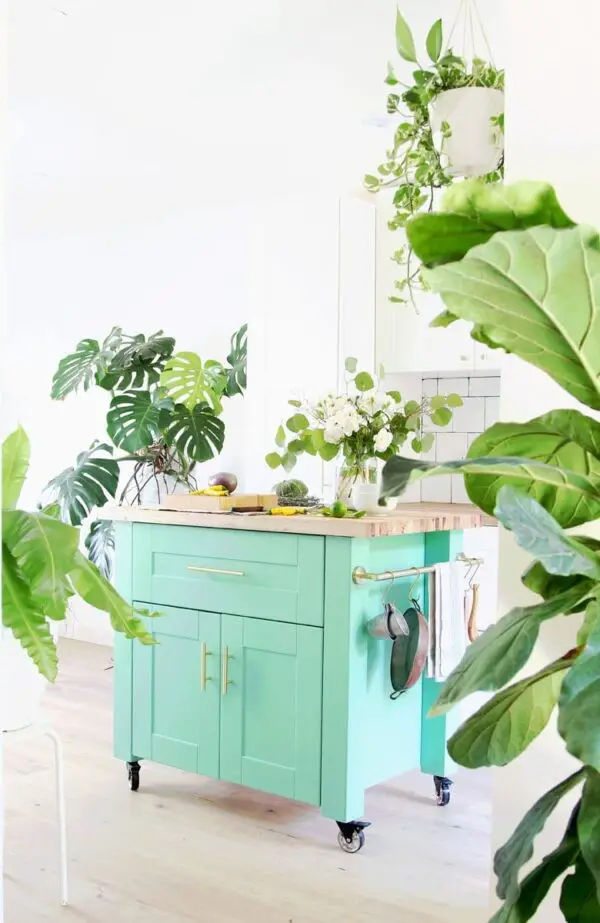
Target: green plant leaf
x: 297, y: 423
x: 296, y: 446
x: 364, y: 382
x: 236, y: 370
x: 136, y: 364
x: 395, y: 396
x: 295, y: 403
x: 328, y: 451
x: 132, y: 420
x: 190, y: 381
x: 538, y: 882
x: 44, y: 549
x: 198, y: 434
x: 434, y: 41
x: 417, y: 445
x: 506, y: 725
x: 454, y: 400
x: 15, y: 465
x: 25, y: 618
x: 95, y: 589
x: 578, y: 897
x: 500, y: 652
x: 405, y: 43
x: 91, y: 482
x: 77, y: 370
x: 427, y: 442
x: 288, y: 460
x: 579, y: 704
x: 473, y: 211
x: 513, y: 287
x: 273, y: 460
x: 441, y: 416
x: 537, y: 579
x: 538, y: 533
x: 518, y: 850
x: 100, y: 545
x: 563, y: 438
x: 399, y: 472
x: 411, y: 407
x: 437, y: 401
x: 590, y: 620
x: 588, y: 826
x: 350, y: 363
x: 280, y: 437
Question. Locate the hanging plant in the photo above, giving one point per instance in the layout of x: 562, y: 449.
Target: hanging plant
x: 452, y: 124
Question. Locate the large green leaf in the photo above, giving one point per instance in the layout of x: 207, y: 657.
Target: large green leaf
x: 473, y: 211
x: 236, y: 370
x: 399, y: 472
x: 132, y: 420
x: 538, y: 882
x: 536, y: 293
x: 579, y: 704
x: 100, y: 545
x: 537, y: 579
x: 501, y: 651
x: 538, y: 533
x: 563, y: 438
x: 25, y: 617
x: 91, y: 482
x: 588, y: 825
x: 44, y: 549
x: 590, y: 620
x: 434, y: 40
x: 578, y: 898
x: 188, y: 380
x: 518, y: 850
x: 77, y: 370
x: 138, y: 363
x: 15, y: 464
x: 508, y: 723
x: 95, y: 589
x: 404, y: 39
x: 198, y: 434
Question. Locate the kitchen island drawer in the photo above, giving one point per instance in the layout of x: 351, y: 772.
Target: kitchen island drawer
x: 255, y: 574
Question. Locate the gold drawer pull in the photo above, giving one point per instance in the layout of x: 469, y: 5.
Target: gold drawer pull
x: 203, y: 655
x: 216, y: 570
x: 225, y: 671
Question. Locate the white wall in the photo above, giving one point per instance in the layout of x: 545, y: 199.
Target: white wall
x: 551, y: 75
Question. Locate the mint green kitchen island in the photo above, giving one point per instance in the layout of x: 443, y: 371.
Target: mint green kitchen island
x: 263, y: 673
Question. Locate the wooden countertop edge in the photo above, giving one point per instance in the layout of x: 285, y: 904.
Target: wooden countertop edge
x: 408, y: 518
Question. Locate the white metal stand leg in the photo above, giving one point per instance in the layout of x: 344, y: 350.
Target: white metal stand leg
x: 61, y: 814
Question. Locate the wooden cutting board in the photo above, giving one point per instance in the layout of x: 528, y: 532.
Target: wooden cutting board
x: 205, y: 504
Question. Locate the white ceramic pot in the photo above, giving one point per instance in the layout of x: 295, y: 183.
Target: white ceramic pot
x: 365, y: 498
x: 22, y: 686
x: 475, y: 145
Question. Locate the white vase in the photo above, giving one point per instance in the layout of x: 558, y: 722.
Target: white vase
x: 365, y: 498
x: 475, y: 145
x: 22, y: 686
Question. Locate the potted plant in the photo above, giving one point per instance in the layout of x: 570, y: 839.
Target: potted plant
x: 364, y: 426
x: 164, y: 415
x: 42, y: 568
x: 451, y: 123
x: 511, y: 262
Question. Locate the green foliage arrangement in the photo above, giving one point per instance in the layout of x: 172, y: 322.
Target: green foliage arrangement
x: 413, y: 165
x: 363, y: 424
x: 510, y: 261
x: 164, y: 415
x: 42, y: 568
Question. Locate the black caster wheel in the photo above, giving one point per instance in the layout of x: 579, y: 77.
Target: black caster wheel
x: 351, y: 837
x: 133, y: 774
x: 442, y: 790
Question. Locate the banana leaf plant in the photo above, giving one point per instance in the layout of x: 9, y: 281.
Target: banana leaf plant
x: 508, y: 260
x: 164, y: 415
x: 42, y: 568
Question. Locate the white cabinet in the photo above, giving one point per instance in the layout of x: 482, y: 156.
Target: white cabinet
x: 313, y: 304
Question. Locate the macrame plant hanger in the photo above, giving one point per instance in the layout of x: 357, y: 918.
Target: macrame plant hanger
x: 468, y: 20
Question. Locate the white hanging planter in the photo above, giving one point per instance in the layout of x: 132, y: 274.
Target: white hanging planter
x: 22, y: 686
x: 474, y: 146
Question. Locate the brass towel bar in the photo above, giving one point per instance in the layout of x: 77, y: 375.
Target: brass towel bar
x: 360, y: 575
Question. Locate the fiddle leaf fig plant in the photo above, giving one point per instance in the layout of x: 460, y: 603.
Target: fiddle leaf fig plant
x: 510, y: 262
x: 164, y: 415
x: 42, y: 568
x: 415, y: 164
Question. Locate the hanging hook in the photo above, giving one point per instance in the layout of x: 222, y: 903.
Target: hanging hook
x: 387, y: 590
x: 413, y: 587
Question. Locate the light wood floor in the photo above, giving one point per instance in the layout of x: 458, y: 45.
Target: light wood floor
x: 188, y: 849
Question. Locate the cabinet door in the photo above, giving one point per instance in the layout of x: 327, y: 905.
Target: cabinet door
x: 271, y: 706
x: 176, y: 691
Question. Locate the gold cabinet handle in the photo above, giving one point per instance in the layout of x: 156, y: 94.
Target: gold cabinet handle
x: 472, y: 630
x: 204, y: 653
x: 225, y: 682
x: 216, y: 570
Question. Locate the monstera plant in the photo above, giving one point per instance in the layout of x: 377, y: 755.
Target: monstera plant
x: 42, y: 568
x: 511, y: 262
x: 164, y: 415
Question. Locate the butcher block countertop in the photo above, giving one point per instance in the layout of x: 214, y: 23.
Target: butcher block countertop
x: 406, y: 518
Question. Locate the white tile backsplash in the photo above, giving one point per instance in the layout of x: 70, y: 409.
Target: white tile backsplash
x: 481, y: 409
